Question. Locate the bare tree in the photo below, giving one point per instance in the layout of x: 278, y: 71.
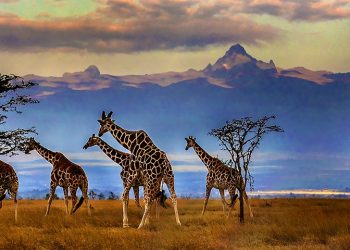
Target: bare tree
x: 101, y: 196
x: 112, y: 196
x: 13, y: 140
x: 55, y: 197
x: 240, y: 137
x: 92, y: 194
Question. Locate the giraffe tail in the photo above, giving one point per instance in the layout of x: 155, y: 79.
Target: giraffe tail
x: 162, y: 198
x: 78, y: 204
x: 2, y: 197
x: 233, y: 200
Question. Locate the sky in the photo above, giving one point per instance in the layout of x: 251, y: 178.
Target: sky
x: 51, y: 37
x: 148, y: 36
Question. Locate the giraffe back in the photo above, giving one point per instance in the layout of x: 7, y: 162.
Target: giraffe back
x: 222, y: 175
x: 67, y: 172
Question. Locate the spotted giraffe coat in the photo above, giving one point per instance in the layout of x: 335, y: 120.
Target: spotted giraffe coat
x: 65, y: 174
x: 8, y: 182
x: 153, y: 162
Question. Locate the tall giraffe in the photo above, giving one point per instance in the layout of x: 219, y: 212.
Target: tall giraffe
x: 219, y: 176
x: 65, y: 174
x: 154, y: 164
x: 130, y: 173
x: 9, y: 183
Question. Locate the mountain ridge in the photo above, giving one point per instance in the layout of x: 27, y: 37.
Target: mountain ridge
x: 229, y: 70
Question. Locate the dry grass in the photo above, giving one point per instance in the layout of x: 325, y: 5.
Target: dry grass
x: 287, y: 224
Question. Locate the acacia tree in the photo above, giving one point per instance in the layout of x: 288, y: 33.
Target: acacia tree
x: 92, y: 194
x: 240, y: 137
x: 13, y: 140
x: 112, y: 196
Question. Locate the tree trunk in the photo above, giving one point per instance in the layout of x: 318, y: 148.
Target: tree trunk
x: 241, y: 207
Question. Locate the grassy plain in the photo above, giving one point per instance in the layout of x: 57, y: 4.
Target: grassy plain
x: 278, y: 224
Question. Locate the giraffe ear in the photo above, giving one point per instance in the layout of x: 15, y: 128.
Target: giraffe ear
x: 103, y: 115
x: 186, y: 139
x: 100, y: 121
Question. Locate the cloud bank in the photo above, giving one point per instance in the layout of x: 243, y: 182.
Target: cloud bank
x: 120, y: 26
x: 295, y: 10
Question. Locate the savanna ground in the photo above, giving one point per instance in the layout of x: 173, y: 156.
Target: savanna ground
x: 278, y: 224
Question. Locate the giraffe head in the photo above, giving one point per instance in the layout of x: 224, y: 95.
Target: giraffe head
x: 105, y: 121
x: 91, y: 142
x: 190, y: 142
x: 30, y: 145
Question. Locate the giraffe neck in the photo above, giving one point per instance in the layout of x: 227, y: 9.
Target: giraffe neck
x: 203, y: 155
x: 45, y: 153
x: 123, y: 136
x: 115, y: 155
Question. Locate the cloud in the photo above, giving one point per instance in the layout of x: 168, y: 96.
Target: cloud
x: 44, y: 93
x: 120, y: 26
x: 295, y: 10
x: 189, y: 168
x: 9, y: 1
x: 323, y: 192
x: 33, y: 161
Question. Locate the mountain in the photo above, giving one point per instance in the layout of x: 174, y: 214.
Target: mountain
x: 236, y: 63
x: 231, y: 69
x: 312, y: 107
x: 236, y: 85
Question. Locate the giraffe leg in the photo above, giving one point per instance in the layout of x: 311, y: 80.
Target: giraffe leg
x: 148, y: 216
x: 148, y: 204
x: 13, y: 193
x: 246, y: 199
x: 137, y: 199
x: 157, y: 208
x: 65, y: 191
x: 233, y: 196
x: 84, y: 191
x: 207, y: 194
x: 125, y: 198
x: 52, y: 193
x: 73, y: 193
x: 170, y: 184
x: 2, y: 195
x: 16, y: 208
x: 222, y: 194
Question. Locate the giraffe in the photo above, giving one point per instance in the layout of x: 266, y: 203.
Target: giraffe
x: 130, y: 174
x: 154, y: 164
x: 9, y: 183
x: 65, y: 174
x: 219, y: 176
